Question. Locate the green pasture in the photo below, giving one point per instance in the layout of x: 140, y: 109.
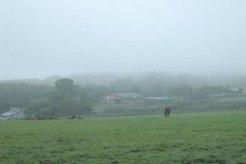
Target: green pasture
x: 182, y: 138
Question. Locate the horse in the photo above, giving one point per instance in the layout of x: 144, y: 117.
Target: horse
x: 72, y: 117
x: 167, y: 111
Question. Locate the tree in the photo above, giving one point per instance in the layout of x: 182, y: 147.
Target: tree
x: 240, y: 90
x: 37, y: 105
x: 65, y: 85
x: 68, y: 99
x: 21, y: 95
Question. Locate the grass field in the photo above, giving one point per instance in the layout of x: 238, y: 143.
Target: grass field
x: 181, y: 138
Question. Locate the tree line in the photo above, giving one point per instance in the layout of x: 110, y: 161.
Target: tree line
x: 65, y: 98
x: 44, y: 101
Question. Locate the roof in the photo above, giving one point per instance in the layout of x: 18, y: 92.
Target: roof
x: 128, y: 95
x: 8, y: 114
x: 158, y: 98
x: 11, y: 112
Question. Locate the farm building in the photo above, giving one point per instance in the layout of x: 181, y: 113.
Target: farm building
x: 157, y: 98
x: 13, y: 113
x: 122, y: 98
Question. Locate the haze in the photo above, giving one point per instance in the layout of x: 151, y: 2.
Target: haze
x: 42, y: 38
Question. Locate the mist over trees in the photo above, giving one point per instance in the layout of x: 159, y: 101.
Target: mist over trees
x: 21, y: 94
x: 67, y: 97
x: 162, y: 84
x: 63, y: 99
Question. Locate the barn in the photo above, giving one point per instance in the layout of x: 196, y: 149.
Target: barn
x: 123, y: 98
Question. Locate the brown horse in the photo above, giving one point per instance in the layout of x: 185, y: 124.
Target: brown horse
x: 167, y: 111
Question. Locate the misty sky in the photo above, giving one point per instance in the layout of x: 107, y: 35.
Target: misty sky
x: 39, y: 38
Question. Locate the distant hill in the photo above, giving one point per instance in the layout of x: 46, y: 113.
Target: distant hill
x: 148, y: 78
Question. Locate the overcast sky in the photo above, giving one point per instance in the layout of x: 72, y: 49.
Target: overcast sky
x: 39, y: 38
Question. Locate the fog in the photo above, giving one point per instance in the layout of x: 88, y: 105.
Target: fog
x: 42, y: 38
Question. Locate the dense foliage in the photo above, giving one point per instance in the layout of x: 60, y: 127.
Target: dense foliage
x: 22, y: 95
x: 43, y: 101
x: 68, y: 98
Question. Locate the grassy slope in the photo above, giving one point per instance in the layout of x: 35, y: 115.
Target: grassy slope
x: 182, y: 138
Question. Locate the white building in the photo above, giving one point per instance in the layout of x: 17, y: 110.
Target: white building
x: 123, y: 98
x: 13, y: 113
